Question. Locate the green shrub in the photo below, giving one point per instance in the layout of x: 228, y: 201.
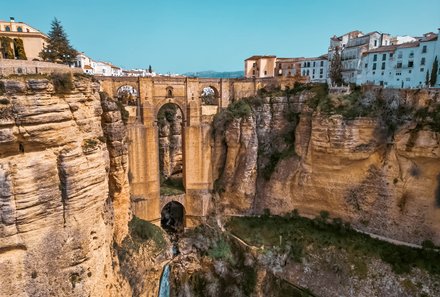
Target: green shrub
x: 141, y: 230
x: 89, y: 144
x: 221, y: 251
x: 62, y: 83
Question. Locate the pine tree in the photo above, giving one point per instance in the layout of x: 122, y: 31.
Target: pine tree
x: 336, y: 68
x: 58, y: 47
x: 434, y: 71
x: 427, y: 79
x: 150, y: 70
x: 20, y: 53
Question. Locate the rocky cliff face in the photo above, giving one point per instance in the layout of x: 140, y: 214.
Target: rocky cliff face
x: 63, y: 189
x: 379, y: 171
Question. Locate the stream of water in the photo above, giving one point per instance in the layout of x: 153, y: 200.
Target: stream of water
x: 164, y: 289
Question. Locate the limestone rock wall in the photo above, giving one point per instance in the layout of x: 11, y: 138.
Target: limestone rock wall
x: 384, y: 185
x: 63, y: 190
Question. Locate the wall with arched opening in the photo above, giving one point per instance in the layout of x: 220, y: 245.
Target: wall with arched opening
x: 209, y: 95
x: 172, y: 217
x: 127, y: 94
x: 171, y: 149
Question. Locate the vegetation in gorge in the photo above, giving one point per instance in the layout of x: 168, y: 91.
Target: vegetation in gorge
x: 140, y: 233
x: 226, y: 268
x: 296, y: 234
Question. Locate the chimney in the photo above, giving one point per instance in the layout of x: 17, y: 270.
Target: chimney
x: 12, y: 19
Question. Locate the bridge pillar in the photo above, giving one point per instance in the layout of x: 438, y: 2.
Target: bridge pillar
x: 144, y: 167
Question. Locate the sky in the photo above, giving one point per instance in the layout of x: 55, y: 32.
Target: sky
x: 179, y: 36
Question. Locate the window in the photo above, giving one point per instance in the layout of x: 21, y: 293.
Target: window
x: 375, y: 58
x: 19, y: 29
x: 375, y: 43
x: 399, y: 65
x: 308, y: 64
x: 422, y: 62
x: 366, y: 65
x: 391, y: 55
x: 254, y: 65
x: 383, y: 66
x: 410, y: 64
x: 424, y: 49
x: 321, y: 71
x: 422, y: 69
x: 374, y: 66
x: 399, y: 55
x: 313, y: 71
x: 7, y: 29
x: 411, y: 55
x: 265, y: 72
x: 322, y: 63
x: 169, y: 92
x: 384, y: 57
x: 253, y: 72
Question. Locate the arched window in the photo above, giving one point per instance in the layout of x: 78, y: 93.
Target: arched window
x: 19, y: 29
x: 8, y: 29
x: 169, y: 92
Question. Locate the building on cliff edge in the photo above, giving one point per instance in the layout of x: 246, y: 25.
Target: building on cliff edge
x: 33, y: 40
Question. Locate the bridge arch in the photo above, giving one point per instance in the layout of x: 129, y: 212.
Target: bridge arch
x: 172, y: 217
x: 127, y: 94
x: 171, y: 150
x: 209, y: 95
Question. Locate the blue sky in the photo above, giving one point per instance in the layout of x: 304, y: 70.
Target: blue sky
x: 194, y: 35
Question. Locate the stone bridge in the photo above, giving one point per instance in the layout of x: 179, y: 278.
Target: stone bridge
x: 150, y: 94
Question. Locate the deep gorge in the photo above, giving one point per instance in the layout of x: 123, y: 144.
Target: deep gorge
x: 369, y: 160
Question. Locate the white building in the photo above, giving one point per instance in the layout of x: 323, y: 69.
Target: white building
x: 402, y: 65
x: 84, y: 62
x: 316, y: 69
x: 351, y: 46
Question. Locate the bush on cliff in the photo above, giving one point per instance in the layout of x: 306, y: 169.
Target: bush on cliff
x: 62, y: 82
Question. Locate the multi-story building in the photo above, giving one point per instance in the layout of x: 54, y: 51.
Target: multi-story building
x: 351, y: 46
x: 260, y: 66
x: 404, y: 65
x: 288, y: 66
x: 33, y: 40
x: 316, y: 69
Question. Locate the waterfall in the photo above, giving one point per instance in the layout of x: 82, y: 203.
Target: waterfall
x: 164, y: 289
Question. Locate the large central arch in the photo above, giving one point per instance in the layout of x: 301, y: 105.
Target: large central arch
x: 171, y: 149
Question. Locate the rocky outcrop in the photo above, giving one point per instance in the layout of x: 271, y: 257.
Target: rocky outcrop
x: 63, y: 190
x: 286, y: 156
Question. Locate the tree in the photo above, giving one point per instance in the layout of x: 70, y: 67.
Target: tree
x: 58, y: 47
x: 434, y: 71
x: 427, y: 79
x: 7, y: 51
x: 20, y: 53
x: 150, y: 70
x: 336, y: 68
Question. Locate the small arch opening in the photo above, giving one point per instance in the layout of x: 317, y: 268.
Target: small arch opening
x: 172, y: 217
x: 127, y: 95
x: 19, y: 29
x: 170, y: 92
x: 209, y: 96
x: 8, y: 29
